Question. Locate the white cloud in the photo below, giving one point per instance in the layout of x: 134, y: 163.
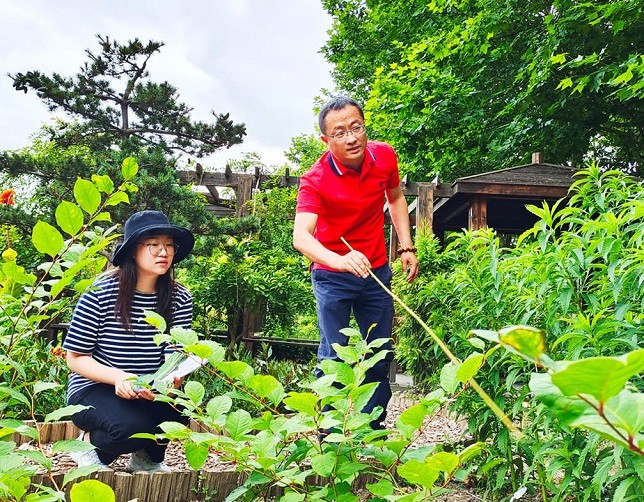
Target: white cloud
x: 257, y: 60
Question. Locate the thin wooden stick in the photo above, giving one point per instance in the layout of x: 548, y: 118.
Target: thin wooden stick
x: 473, y: 383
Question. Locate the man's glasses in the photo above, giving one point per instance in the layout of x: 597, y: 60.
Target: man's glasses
x: 155, y: 248
x: 358, y: 130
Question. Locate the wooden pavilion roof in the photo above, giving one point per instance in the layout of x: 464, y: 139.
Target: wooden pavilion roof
x: 497, y: 199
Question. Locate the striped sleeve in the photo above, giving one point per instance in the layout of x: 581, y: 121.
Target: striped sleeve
x: 181, y: 313
x: 85, y: 325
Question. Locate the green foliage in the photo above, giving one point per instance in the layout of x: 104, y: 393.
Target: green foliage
x: 304, y: 151
x: 115, y: 111
x: 468, y: 86
x: 32, y: 371
x: 323, y: 444
x: 45, y: 173
x: 577, y: 276
x: 593, y: 394
x: 258, y: 274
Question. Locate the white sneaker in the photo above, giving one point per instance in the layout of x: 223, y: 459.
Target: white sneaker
x: 140, y: 461
x: 85, y: 458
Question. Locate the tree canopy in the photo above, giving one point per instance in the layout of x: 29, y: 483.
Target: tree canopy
x: 138, y: 109
x: 466, y: 86
x: 114, y: 110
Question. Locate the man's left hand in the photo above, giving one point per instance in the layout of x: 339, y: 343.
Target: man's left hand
x: 409, y: 265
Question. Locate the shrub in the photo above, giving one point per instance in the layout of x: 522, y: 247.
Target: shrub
x: 576, y: 275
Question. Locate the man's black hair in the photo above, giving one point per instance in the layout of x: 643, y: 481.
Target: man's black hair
x: 336, y: 103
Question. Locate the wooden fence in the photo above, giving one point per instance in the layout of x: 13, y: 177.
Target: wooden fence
x: 174, y: 486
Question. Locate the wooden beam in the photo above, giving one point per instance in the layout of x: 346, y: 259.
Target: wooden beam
x: 533, y: 191
x: 214, y: 194
x: 393, y: 244
x: 213, y: 179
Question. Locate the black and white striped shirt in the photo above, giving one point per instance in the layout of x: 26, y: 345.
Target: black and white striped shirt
x: 94, y: 329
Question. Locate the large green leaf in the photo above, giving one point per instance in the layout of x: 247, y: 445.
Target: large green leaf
x: 47, y: 239
x: 69, y: 217
x: 17, y: 273
x: 63, y: 412
x: 362, y: 394
x: 175, y: 430
x: 196, y: 454
x: 38, y: 457
x: 103, y: 182
x: 129, y: 168
x: 71, y: 445
x: 347, y: 354
x: 382, y: 488
x: 414, y: 416
x: 303, y: 402
x: 91, y: 490
x: 418, y: 473
x: 238, y: 424
x: 324, y: 464
x: 468, y: 368
x: 236, y: 370
x: 449, y: 381
x: 623, y: 415
x: 443, y: 461
x: 195, y: 392
x: 263, y: 385
x: 5, y: 390
x: 218, y: 406
x: 45, y: 386
x: 10, y: 425
x: 87, y: 195
x: 525, y: 339
x: 600, y: 377
x: 117, y: 198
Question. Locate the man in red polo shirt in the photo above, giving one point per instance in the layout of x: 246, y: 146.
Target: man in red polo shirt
x: 342, y: 196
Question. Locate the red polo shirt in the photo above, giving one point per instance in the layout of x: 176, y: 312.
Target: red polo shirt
x: 350, y: 204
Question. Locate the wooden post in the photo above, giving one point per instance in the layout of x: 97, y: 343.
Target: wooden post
x: 244, y: 194
x: 537, y: 158
x: 425, y: 208
x: 393, y: 244
x: 478, y: 212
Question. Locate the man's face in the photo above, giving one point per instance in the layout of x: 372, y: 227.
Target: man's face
x: 349, y: 150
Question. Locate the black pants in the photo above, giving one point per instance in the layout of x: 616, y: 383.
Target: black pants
x: 112, y: 420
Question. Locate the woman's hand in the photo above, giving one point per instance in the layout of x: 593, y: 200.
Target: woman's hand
x: 123, y: 382
x: 124, y: 387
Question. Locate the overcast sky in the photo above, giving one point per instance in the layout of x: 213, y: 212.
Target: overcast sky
x: 259, y: 60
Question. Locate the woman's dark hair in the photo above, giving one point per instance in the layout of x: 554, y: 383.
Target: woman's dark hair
x: 337, y: 103
x: 127, y: 277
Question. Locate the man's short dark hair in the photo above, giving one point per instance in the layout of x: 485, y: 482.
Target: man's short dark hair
x: 336, y: 103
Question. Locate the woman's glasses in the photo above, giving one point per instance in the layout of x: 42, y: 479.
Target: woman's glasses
x: 155, y: 248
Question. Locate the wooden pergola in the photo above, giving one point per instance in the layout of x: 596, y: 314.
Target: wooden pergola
x: 498, y: 199
x: 495, y: 199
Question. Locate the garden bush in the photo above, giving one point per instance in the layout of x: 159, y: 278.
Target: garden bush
x: 577, y: 276
x: 30, y: 385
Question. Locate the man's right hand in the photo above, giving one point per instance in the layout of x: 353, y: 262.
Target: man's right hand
x: 354, y: 262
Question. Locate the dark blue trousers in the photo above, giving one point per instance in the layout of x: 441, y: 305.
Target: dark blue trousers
x: 338, y: 295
